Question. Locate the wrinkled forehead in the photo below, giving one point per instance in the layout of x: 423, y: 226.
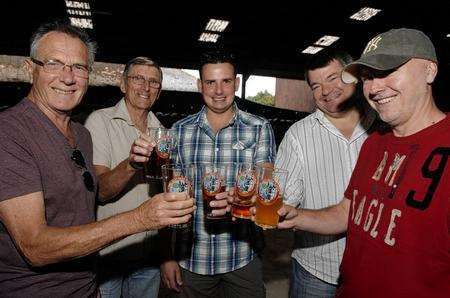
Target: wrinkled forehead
x: 61, y: 46
x: 148, y: 71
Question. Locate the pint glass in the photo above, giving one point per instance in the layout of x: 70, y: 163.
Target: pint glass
x: 165, y: 141
x: 214, y: 181
x: 178, y: 178
x: 271, y: 184
x: 245, y: 188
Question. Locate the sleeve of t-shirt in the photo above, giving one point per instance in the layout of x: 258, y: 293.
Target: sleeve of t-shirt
x: 266, y: 147
x: 19, y: 172
x: 101, y: 141
x: 290, y: 158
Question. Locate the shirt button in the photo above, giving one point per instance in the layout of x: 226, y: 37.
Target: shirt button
x: 217, y: 149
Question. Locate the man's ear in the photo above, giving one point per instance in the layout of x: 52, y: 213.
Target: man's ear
x: 28, y: 66
x: 431, y: 71
x: 122, y: 85
x: 236, y: 84
x: 199, y: 85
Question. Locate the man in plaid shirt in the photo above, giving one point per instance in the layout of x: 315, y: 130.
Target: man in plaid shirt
x: 222, y: 261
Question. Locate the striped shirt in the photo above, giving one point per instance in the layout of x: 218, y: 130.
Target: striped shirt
x: 320, y: 161
x: 217, y: 248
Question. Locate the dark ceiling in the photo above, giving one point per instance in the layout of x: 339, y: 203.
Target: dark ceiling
x: 267, y: 37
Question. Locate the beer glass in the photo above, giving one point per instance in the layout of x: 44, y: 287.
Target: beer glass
x: 245, y: 187
x: 214, y: 181
x: 165, y: 141
x: 178, y: 178
x: 271, y: 184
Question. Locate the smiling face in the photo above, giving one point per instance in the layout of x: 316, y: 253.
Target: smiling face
x: 329, y: 92
x: 60, y: 92
x: 141, y: 96
x: 218, y: 85
x: 400, y: 95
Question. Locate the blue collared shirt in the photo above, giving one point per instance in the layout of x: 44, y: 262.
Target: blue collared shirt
x: 217, y: 247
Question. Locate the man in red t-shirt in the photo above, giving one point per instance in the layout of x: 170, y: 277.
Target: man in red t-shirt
x: 396, y: 209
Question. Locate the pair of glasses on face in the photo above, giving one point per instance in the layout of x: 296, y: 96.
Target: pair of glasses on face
x: 78, y: 159
x: 140, y: 81
x: 56, y: 66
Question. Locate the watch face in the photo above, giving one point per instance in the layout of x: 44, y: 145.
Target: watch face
x: 178, y: 184
x: 163, y: 148
x: 246, y: 183
x: 268, y: 190
x: 211, y: 184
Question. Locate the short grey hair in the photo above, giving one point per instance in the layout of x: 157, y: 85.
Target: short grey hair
x: 141, y: 61
x: 66, y: 28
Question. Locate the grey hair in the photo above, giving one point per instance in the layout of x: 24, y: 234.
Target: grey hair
x: 66, y: 28
x: 141, y: 61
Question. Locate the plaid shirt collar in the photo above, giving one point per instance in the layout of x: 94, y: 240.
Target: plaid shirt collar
x: 202, y: 121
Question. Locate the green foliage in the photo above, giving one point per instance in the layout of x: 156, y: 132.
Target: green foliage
x: 263, y: 97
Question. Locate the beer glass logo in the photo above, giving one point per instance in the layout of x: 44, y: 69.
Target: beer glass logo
x: 211, y: 184
x: 163, y: 148
x: 178, y: 184
x: 246, y: 183
x: 268, y: 190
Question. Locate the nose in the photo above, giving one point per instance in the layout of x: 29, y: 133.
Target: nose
x: 326, y: 89
x: 375, y: 85
x: 146, y: 85
x: 67, y: 75
x: 218, y: 88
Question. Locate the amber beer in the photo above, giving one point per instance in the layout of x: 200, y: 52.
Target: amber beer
x: 164, y: 142
x: 270, y: 192
x: 245, y: 188
x: 213, y: 183
x: 178, y: 178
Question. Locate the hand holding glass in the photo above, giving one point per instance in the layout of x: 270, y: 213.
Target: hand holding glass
x: 214, y: 181
x: 164, y: 141
x: 178, y: 178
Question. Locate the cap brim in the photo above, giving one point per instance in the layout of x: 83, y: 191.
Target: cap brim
x: 351, y: 72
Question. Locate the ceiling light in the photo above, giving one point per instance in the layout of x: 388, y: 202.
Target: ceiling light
x: 448, y: 35
x: 77, y: 12
x: 208, y: 37
x: 312, y: 50
x: 81, y: 23
x: 77, y: 4
x: 326, y: 40
x: 216, y: 25
x: 365, y: 13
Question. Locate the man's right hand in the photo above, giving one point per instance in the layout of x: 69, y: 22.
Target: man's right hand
x: 164, y: 209
x: 140, y: 151
x: 288, y: 214
x: 171, y: 275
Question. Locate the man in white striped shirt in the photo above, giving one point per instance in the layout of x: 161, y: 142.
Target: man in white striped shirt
x: 320, y: 152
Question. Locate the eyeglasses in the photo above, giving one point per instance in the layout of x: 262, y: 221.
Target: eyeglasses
x: 56, y: 66
x: 78, y: 158
x: 140, y: 80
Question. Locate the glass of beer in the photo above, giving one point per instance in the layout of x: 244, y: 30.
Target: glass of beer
x: 178, y: 178
x: 214, y: 181
x: 164, y: 140
x: 245, y: 187
x: 271, y: 184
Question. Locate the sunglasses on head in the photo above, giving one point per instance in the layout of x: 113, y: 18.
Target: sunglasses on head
x: 78, y: 159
